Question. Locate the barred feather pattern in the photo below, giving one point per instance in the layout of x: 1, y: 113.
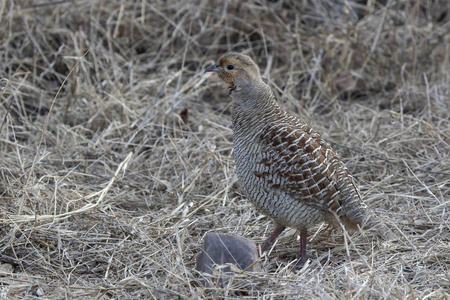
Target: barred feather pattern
x: 286, y: 169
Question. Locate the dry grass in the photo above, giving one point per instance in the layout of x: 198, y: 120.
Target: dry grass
x: 106, y: 192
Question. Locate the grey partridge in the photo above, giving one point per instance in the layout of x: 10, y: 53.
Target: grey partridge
x: 283, y: 165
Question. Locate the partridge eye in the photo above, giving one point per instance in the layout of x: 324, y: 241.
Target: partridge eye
x: 230, y: 67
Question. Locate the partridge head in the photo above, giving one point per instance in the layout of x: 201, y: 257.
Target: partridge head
x: 237, y: 70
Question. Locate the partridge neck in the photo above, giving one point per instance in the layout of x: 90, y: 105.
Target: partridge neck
x: 256, y: 97
x: 253, y: 106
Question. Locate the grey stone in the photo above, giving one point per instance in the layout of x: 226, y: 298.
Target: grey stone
x: 221, y: 249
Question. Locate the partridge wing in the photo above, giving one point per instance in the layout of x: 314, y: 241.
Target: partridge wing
x: 302, y: 164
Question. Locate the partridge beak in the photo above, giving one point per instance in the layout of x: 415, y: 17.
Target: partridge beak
x: 213, y: 68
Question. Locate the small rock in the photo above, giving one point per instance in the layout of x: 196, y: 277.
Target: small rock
x: 6, y: 269
x: 221, y: 249
x: 38, y: 292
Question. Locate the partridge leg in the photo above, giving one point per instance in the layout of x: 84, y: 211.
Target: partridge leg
x: 302, y: 256
x: 272, y: 237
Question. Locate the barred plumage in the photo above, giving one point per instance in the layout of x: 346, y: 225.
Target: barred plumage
x: 286, y: 169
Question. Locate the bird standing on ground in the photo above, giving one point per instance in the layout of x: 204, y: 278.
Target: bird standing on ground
x: 284, y: 166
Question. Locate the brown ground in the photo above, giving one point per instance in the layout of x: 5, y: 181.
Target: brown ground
x: 116, y: 149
